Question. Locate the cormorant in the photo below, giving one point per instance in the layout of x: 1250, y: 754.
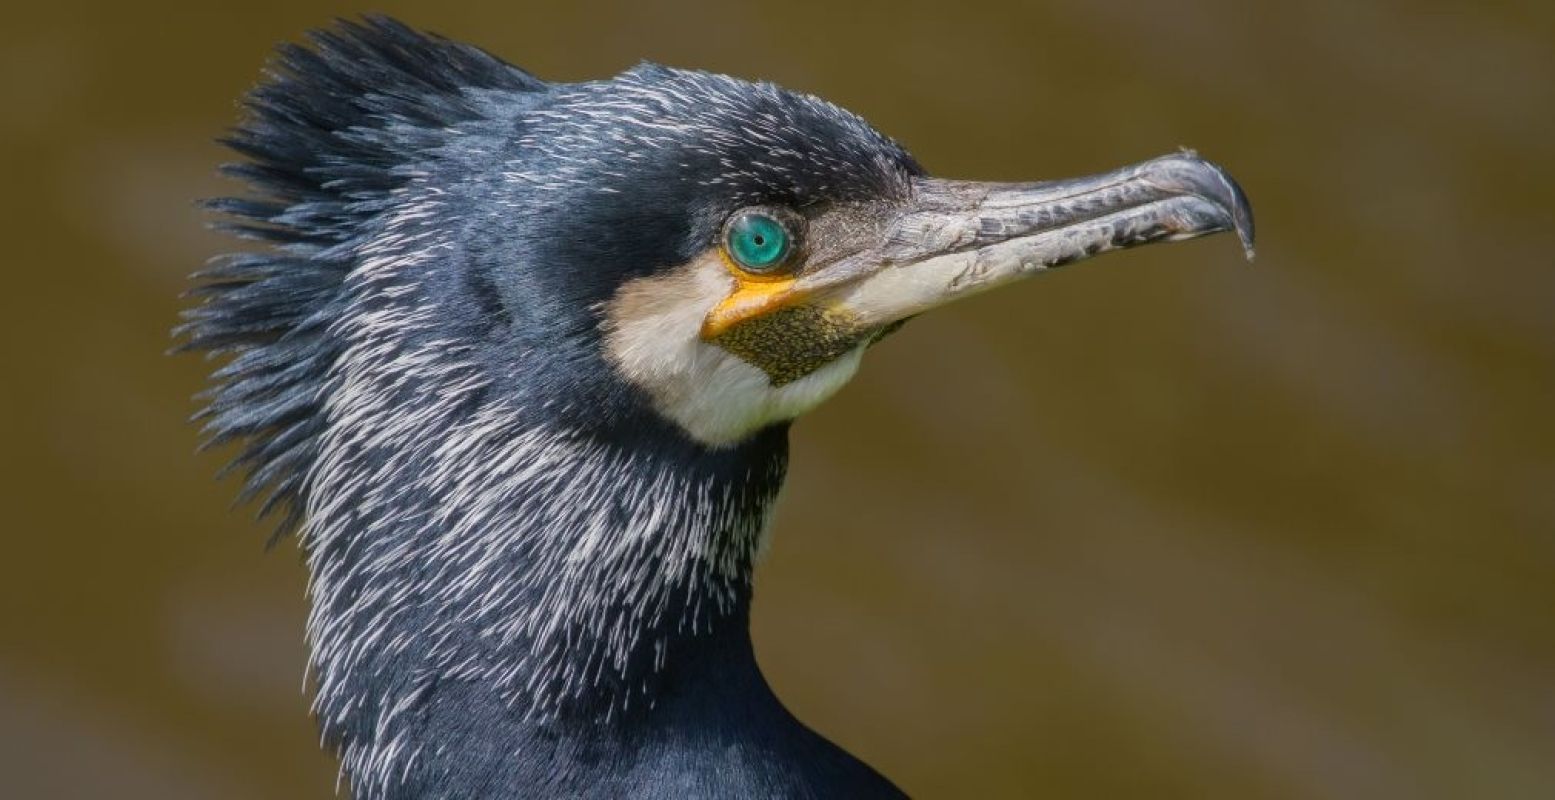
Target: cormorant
x: 518, y: 360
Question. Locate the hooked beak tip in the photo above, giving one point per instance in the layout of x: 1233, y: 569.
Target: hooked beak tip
x: 1188, y: 173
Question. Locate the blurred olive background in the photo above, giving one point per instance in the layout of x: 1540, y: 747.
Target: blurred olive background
x: 1159, y: 525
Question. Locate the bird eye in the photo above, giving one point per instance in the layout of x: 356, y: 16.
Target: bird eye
x: 758, y: 241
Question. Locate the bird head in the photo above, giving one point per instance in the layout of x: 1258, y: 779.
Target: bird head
x: 731, y: 249
x: 670, y: 252
x: 449, y: 240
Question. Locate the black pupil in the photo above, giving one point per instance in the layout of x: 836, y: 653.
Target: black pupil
x: 760, y: 240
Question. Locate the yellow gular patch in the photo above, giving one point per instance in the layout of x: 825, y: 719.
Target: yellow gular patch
x: 753, y: 296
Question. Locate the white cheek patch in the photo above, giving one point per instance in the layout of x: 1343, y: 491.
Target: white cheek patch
x: 653, y: 336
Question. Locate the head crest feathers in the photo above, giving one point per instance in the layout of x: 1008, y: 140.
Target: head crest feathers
x: 326, y: 142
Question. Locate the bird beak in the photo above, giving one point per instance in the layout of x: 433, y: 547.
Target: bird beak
x: 957, y: 238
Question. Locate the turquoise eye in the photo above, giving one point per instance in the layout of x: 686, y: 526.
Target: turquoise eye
x: 757, y: 241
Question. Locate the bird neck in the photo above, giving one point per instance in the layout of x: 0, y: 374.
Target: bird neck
x: 471, y: 557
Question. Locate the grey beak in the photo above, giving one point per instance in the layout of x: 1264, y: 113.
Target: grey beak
x: 958, y: 238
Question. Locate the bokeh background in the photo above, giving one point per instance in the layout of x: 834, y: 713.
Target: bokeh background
x: 1161, y: 525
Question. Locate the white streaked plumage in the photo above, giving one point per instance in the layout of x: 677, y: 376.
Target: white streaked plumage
x: 493, y: 480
